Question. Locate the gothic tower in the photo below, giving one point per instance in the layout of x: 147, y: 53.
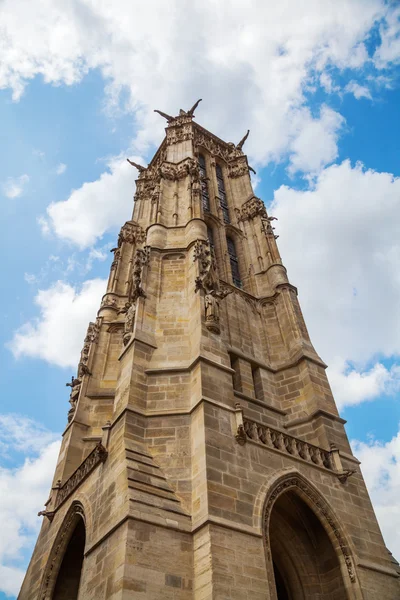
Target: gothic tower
x: 204, y: 457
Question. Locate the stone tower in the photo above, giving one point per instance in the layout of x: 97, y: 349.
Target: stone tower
x: 204, y: 457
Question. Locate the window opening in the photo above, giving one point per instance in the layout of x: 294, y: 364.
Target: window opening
x: 205, y: 197
x: 234, y: 263
x: 222, y: 194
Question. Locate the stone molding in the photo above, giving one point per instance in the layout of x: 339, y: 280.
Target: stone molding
x: 97, y: 455
x: 288, y: 444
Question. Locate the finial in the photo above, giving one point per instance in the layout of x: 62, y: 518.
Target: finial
x: 140, y: 168
x: 242, y: 141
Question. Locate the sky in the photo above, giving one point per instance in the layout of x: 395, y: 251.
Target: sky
x: 316, y: 82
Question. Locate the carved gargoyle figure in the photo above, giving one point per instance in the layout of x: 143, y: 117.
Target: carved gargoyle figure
x: 190, y: 112
x: 140, y: 168
x: 239, y: 146
x: 182, y: 113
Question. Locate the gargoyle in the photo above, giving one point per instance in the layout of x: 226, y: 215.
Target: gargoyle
x: 163, y: 114
x: 239, y: 146
x: 140, y: 168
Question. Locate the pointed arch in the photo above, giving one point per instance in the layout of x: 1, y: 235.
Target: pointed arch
x: 75, y: 516
x: 291, y: 480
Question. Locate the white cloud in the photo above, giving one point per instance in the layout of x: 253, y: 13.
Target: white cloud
x: 57, y: 334
x: 389, y: 50
x: 25, y: 488
x: 250, y: 62
x: 344, y: 234
x: 381, y: 470
x: 95, y: 207
x: 352, y: 386
x: 44, y: 225
x: 14, y: 187
x: 315, y: 144
x: 358, y: 91
x: 61, y: 168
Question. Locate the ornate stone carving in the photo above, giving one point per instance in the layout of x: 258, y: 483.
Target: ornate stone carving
x: 251, y: 208
x: 266, y: 226
x: 97, y: 455
x: 130, y: 313
x: 131, y: 233
x: 140, y: 259
x: 109, y: 302
x: 240, y: 435
x: 178, y: 171
x: 321, y: 509
x: 178, y: 134
x: 208, y: 281
x: 238, y: 167
x: 215, y: 147
x: 117, y: 256
x: 75, y: 386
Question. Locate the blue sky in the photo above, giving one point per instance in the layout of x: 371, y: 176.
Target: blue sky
x: 318, y: 86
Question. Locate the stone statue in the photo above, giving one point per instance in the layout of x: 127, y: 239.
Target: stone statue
x: 129, y: 321
x: 190, y: 113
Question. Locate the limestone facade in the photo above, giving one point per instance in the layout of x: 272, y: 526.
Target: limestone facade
x: 204, y: 457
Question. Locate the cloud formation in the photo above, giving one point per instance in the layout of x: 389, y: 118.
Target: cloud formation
x: 380, y: 466
x: 13, y: 187
x: 95, y: 207
x: 252, y: 62
x: 340, y: 242
x: 24, y: 488
x: 56, y: 336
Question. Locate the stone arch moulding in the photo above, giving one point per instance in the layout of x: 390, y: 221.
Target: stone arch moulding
x: 292, y: 480
x: 67, y: 527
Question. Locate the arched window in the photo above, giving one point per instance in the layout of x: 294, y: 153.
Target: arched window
x: 234, y: 262
x: 205, y: 197
x: 222, y: 194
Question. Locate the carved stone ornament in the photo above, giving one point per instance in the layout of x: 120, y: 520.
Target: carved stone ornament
x: 240, y: 435
x: 131, y: 233
x: 251, y: 208
x: 109, y: 302
x: 75, y: 386
x: 98, y: 455
x: 208, y: 281
x: 214, y: 146
x: 175, y: 172
x: 321, y: 508
x: 238, y: 167
x: 140, y: 259
x: 180, y: 132
x: 130, y: 313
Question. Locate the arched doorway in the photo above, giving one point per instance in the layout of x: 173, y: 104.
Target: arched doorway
x: 305, y: 563
x: 69, y: 574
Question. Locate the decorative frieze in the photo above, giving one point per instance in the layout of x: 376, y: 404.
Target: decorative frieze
x: 175, y: 172
x: 97, y: 455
